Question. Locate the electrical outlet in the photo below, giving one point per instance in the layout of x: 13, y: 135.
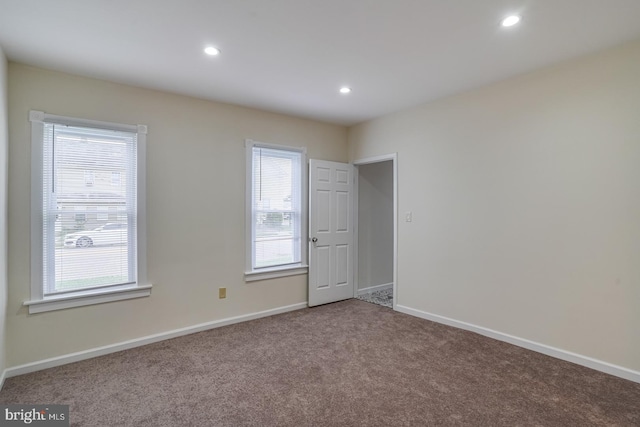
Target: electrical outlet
x: 222, y: 293
x: 408, y: 217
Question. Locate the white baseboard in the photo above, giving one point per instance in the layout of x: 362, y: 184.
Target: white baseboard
x: 568, y: 356
x: 125, y: 345
x: 589, y: 362
x: 375, y: 288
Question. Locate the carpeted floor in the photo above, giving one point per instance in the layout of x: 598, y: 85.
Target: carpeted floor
x: 343, y: 364
x: 383, y: 297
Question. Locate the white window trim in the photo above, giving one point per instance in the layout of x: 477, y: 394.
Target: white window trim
x: 250, y: 274
x: 38, y: 303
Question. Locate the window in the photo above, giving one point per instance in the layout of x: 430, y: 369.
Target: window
x: 80, y: 257
x: 80, y: 217
x: 115, y: 179
x: 276, y: 214
x: 89, y: 178
x: 103, y: 214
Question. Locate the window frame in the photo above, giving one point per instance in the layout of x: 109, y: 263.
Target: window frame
x: 301, y: 267
x: 41, y: 303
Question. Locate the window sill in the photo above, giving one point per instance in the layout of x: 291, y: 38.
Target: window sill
x: 274, y: 273
x: 78, y: 299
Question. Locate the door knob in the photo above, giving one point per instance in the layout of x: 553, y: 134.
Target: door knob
x: 314, y: 240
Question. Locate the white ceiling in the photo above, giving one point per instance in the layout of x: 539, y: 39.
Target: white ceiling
x: 292, y: 56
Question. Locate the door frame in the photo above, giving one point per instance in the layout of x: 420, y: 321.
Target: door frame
x: 364, y: 161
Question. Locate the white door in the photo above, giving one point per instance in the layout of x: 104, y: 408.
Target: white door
x: 330, y: 231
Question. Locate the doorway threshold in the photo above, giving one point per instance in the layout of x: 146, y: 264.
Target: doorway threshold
x: 383, y: 297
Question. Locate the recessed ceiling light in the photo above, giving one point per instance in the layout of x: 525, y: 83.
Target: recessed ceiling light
x: 510, y: 21
x: 345, y: 89
x: 213, y: 51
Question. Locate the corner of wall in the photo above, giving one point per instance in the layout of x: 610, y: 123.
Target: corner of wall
x: 3, y: 212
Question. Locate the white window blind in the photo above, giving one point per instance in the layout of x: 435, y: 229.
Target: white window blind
x: 84, y: 249
x: 88, y: 237
x: 276, y: 206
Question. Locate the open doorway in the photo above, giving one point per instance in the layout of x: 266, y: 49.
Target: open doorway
x: 376, y: 219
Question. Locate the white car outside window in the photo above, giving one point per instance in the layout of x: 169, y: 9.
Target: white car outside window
x: 108, y: 234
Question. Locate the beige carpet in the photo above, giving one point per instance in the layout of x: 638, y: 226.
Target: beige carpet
x: 344, y: 364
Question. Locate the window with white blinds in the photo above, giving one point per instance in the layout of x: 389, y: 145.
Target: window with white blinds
x: 275, y: 213
x: 88, y: 221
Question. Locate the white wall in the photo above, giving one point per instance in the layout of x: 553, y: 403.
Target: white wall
x: 526, y: 205
x: 3, y: 209
x: 195, y: 205
x: 375, y: 224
